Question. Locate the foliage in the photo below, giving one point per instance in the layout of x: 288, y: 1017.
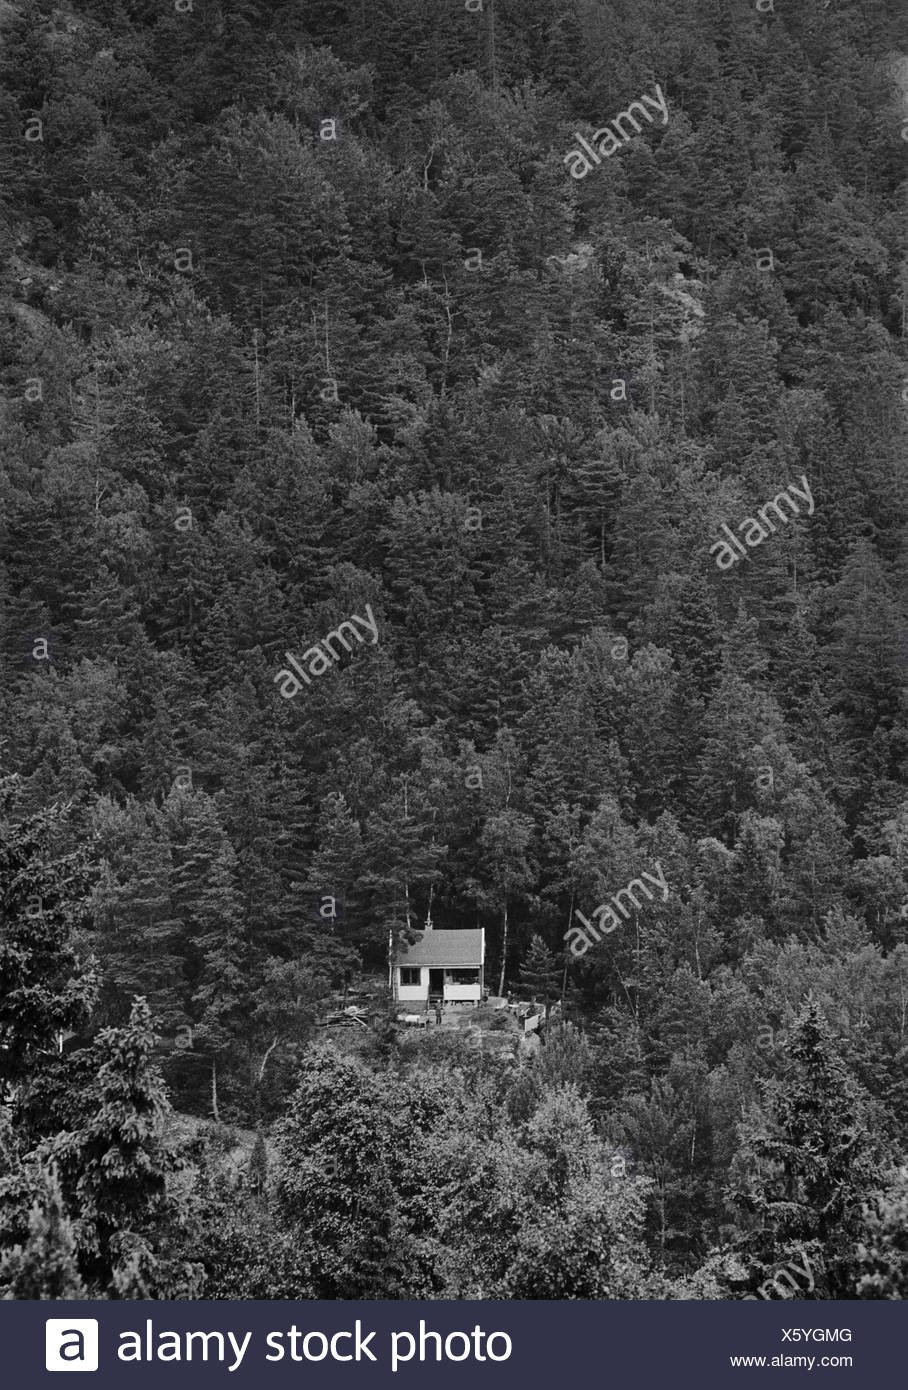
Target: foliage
x: 304, y: 313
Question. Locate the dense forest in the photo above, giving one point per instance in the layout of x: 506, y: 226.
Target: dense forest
x: 313, y: 310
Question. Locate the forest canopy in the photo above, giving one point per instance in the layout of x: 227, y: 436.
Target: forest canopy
x: 310, y: 315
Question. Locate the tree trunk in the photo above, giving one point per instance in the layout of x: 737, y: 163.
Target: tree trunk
x: 214, y: 1093
x: 258, y: 386
x: 504, y: 948
x: 265, y: 1058
x: 564, y: 972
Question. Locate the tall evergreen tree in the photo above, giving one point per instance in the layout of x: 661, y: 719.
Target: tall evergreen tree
x: 805, y: 1165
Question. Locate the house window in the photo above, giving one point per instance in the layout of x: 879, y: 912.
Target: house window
x: 465, y: 977
x: 409, y: 974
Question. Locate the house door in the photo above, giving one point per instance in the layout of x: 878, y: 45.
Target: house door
x: 436, y: 984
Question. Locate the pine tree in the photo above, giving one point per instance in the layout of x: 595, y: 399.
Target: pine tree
x: 337, y: 865
x: 46, y: 1265
x: 138, y: 931
x: 223, y: 963
x: 540, y: 974
x: 45, y: 987
x: 805, y: 1166
x: 883, y: 1250
x: 113, y: 1162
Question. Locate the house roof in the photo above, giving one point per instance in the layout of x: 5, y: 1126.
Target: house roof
x: 441, y: 947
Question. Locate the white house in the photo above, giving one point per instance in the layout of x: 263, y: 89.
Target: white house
x: 441, y: 965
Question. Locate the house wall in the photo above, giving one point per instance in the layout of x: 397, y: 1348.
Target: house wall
x: 413, y: 993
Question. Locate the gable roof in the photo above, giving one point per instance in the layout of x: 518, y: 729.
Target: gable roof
x: 441, y: 947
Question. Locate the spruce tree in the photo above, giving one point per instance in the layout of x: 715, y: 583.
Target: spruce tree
x: 45, y: 1265
x: 115, y: 1164
x: 540, y: 974
x: 805, y: 1165
x: 46, y: 986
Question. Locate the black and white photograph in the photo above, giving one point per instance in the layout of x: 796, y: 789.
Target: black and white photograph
x: 453, y: 657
